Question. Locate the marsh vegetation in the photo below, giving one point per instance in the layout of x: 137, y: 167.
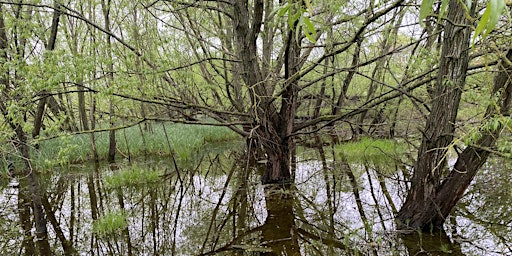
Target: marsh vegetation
x: 255, y: 127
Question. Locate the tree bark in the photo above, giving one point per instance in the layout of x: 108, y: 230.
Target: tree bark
x: 432, y: 196
x: 272, y: 126
x: 105, y: 6
x: 418, y: 211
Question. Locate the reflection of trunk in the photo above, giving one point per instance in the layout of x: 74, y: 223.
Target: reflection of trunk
x: 126, y: 232
x: 436, y: 243
x: 279, y: 231
x: 25, y: 221
x: 92, y: 196
x: 40, y: 222
x: 357, y: 197
x: 328, y: 190
x: 66, y: 244
x: 153, y: 207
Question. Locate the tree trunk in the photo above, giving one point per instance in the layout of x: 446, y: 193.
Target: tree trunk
x: 112, y: 133
x: 272, y: 126
x: 45, y: 96
x: 433, y: 195
x: 474, y: 156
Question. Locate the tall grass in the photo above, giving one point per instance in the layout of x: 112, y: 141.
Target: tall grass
x: 376, y: 151
x: 184, y: 140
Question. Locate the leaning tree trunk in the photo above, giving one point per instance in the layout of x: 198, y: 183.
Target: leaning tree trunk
x: 418, y: 211
x: 474, y: 156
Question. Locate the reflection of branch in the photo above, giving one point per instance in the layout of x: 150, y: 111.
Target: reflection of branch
x: 328, y: 241
x: 232, y: 245
x: 218, y: 205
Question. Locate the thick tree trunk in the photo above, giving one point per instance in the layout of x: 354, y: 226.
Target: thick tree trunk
x: 418, y: 209
x: 473, y: 157
x: 434, y: 211
x: 272, y: 126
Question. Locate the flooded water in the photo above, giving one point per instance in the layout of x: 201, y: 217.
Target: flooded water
x: 215, y: 205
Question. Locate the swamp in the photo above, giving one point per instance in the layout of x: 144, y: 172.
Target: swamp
x: 251, y: 127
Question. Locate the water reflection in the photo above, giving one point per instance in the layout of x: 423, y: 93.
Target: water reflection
x: 279, y: 231
x: 435, y: 243
x: 215, y: 205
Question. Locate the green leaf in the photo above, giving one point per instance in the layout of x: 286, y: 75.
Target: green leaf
x: 490, y: 18
x: 309, y: 37
x: 309, y: 29
x: 496, y: 7
x: 281, y: 10
x: 309, y: 26
x: 425, y: 9
x: 293, y: 18
x: 482, y: 23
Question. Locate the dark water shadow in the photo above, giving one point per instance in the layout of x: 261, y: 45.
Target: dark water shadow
x: 279, y: 231
x: 434, y: 243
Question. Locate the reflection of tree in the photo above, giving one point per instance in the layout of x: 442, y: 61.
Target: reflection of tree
x: 24, y: 215
x: 436, y: 243
x: 279, y: 231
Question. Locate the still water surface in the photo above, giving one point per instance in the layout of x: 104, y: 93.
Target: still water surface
x: 215, y: 205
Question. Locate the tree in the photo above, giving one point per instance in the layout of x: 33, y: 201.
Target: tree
x: 434, y: 190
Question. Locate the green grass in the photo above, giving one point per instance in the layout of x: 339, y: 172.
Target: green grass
x: 185, y: 141
x: 132, y: 176
x: 110, y: 224
x: 376, y: 151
